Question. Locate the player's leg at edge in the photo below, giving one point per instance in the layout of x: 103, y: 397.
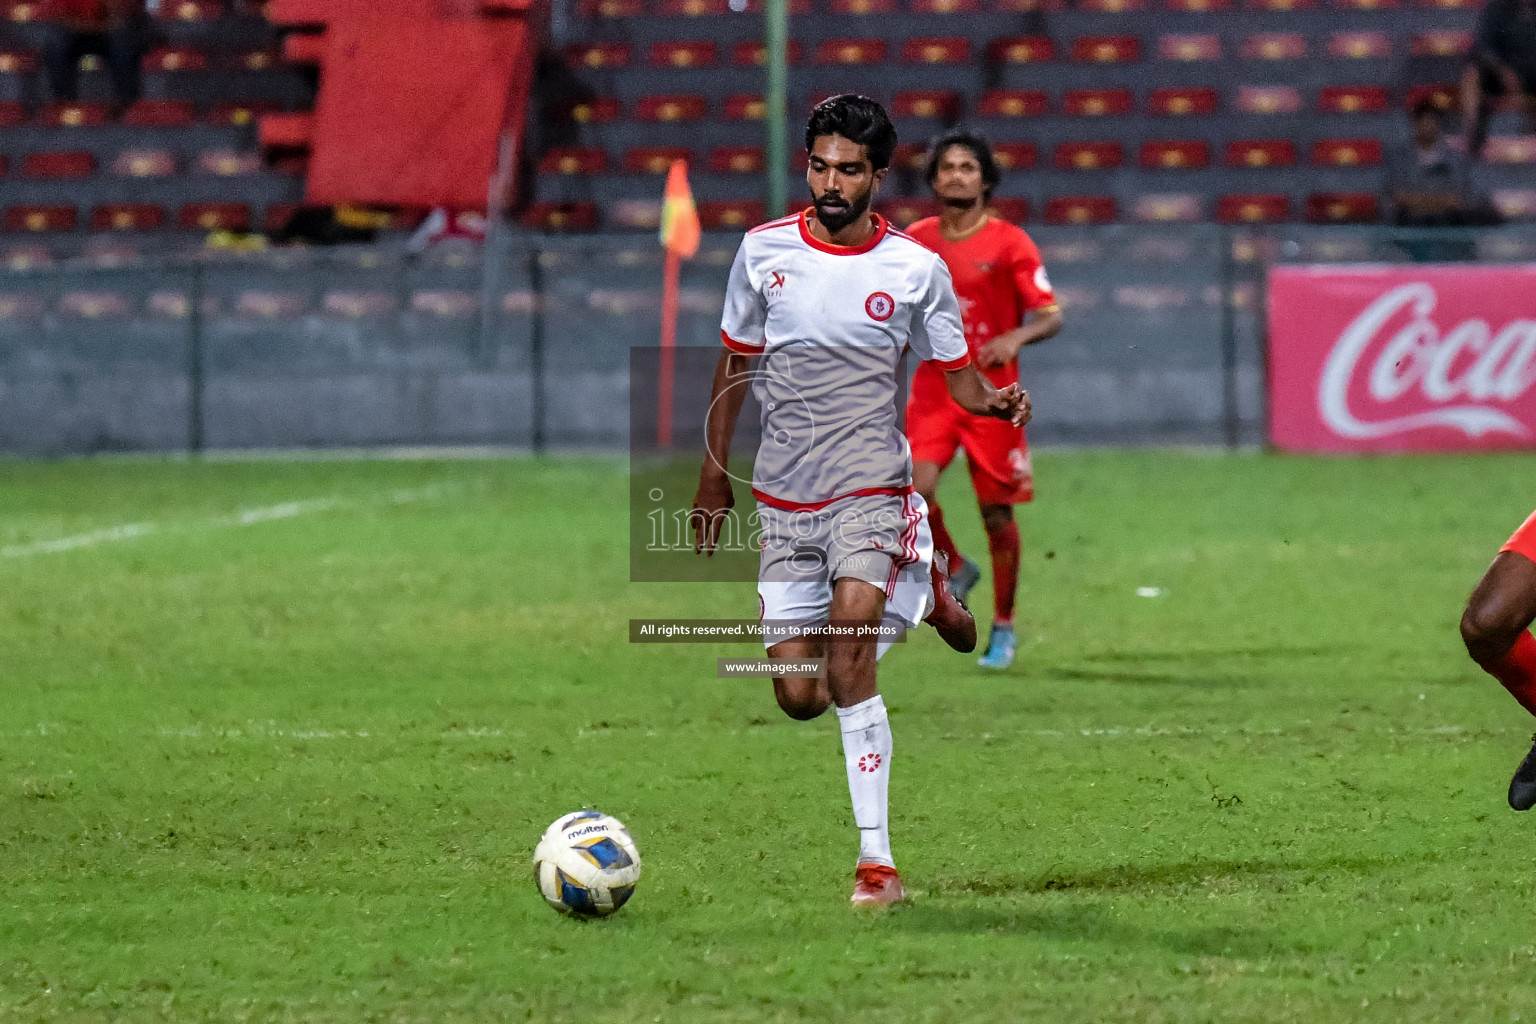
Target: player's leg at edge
x: 1003, y: 547
x: 963, y: 573
x: 1496, y: 630
x: 866, y: 729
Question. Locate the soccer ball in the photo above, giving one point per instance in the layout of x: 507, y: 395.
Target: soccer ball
x: 586, y: 864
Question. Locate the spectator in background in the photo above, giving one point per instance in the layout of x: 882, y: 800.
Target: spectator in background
x: 1429, y: 184
x: 1503, y: 65
x: 113, y: 29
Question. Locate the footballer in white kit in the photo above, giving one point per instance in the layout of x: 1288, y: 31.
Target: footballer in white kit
x: 827, y: 302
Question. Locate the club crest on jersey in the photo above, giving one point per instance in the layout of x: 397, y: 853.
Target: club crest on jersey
x: 880, y: 306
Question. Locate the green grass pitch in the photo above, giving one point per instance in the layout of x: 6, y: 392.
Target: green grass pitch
x: 277, y: 740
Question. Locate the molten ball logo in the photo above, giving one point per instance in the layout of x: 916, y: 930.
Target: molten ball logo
x: 880, y: 306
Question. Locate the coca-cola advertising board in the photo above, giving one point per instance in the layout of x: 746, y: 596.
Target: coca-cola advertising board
x: 1375, y: 358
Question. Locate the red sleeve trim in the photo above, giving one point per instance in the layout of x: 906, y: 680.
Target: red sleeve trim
x: 953, y: 364
x: 740, y: 347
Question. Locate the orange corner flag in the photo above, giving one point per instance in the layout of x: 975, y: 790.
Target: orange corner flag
x: 679, y: 217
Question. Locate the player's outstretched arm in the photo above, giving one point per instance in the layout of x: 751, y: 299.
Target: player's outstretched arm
x: 1005, y: 347
x: 969, y: 388
x: 714, y: 499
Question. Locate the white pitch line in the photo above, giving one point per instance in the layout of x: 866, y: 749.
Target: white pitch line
x: 112, y: 534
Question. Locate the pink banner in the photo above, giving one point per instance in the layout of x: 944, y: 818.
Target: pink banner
x: 1372, y: 358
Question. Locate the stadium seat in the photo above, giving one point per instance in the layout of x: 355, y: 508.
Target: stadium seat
x: 1510, y: 149
x: 598, y: 110
x: 926, y: 104
x: 751, y: 53
x: 944, y: 6
x: 846, y: 7
x: 561, y: 216
x: 1279, y: 5
x: 736, y: 160
x: 39, y: 217
x: 160, y: 114
x: 1359, y: 45
x: 254, y: 60
x: 1014, y: 156
x: 23, y: 10
x: 1029, y: 6
x: 5, y: 165
x: 214, y: 217
x: 1021, y: 50
x: 1365, y: 5
x: 1189, y: 48
x: 683, y: 55
x: 1106, y: 49
x: 851, y: 51
x: 1012, y: 210
x: 573, y: 160
x: 693, y: 8
x: 1253, y: 208
x: 1197, y: 6
x: 1342, y: 208
x: 730, y: 214
x: 240, y: 113
x: 681, y: 107
x: 910, y: 156
x: 1260, y: 153
x: 1088, y: 156
x: 1080, y: 210
x: 1166, y: 208
x: 1275, y: 46
x: 1452, y: 5
x: 1097, y: 102
x: 654, y: 159
x: 638, y: 214
x: 176, y: 58
x: 598, y: 55
x: 144, y: 163
x: 73, y: 115
x: 127, y: 217
x: 744, y: 108
x: 1012, y: 103
x: 1443, y: 96
x: 903, y: 212
x: 1444, y: 43
x: 12, y: 113
x: 58, y: 165
x: 1515, y: 203
x: 1352, y: 99
x: 1267, y: 99
x: 936, y: 50
x: 191, y: 10
x: 1347, y: 153
x: 610, y: 8
x: 227, y: 163
x: 18, y: 62
x: 1174, y: 154
x: 1111, y: 6
x: 1182, y: 102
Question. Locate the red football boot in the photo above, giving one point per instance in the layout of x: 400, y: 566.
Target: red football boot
x: 876, y: 884
x: 951, y: 618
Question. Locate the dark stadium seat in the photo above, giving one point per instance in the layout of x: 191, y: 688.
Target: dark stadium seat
x: 1261, y: 153
x: 190, y: 10
x: 74, y: 115
x: 936, y: 50
x: 1013, y: 103
x: 654, y: 159
x: 58, y: 165
x: 214, y: 217
x: 127, y: 217
x: 573, y: 160
x: 1097, y: 102
x: 676, y: 107
x: 730, y: 214
x: 1346, y: 152
x: 1014, y: 156
x: 926, y: 104
x: 851, y: 52
x: 599, y: 55
x: 1342, y: 208
x: 1183, y: 102
x: 1021, y: 50
x: 736, y: 160
x: 562, y: 216
x: 160, y: 114
x: 696, y: 54
x: 39, y: 217
x: 1174, y: 154
x: 1081, y: 210
x: 176, y: 58
x: 1106, y: 49
x: 240, y: 112
x: 1088, y: 156
x: 1253, y: 208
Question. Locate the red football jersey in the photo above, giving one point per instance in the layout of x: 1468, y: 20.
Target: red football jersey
x: 998, y: 279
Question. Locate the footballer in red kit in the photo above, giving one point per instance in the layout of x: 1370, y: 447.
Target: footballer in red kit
x: 1006, y: 303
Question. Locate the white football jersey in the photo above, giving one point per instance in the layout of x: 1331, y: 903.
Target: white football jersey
x: 831, y: 324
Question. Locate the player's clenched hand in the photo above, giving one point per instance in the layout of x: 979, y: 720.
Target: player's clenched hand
x: 1012, y: 404
x: 711, y: 505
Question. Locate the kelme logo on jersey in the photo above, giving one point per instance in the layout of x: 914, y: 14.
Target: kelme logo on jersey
x: 775, y: 283
x: 880, y: 306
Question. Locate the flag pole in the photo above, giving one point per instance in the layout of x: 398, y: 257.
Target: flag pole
x: 775, y: 44
x: 668, y: 349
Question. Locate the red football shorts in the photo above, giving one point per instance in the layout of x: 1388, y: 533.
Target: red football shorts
x: 1524, y: 540
x: 996, y: 452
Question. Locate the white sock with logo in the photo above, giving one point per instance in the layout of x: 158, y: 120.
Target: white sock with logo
x: 867, y: 751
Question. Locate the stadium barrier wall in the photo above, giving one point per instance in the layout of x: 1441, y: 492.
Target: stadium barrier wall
x: 527, y: 344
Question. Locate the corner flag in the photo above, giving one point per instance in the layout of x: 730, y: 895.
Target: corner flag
x: 680, y: 237
x: 679, y: 217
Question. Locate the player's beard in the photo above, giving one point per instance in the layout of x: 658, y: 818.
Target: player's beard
x: 846, y: 210
x: 965, y: 204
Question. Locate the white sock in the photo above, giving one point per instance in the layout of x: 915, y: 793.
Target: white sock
x: 867, y: 751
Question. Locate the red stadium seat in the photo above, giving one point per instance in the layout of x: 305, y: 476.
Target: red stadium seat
x: 176, y: 58
x: 73, y: 115
x: 254, y: 60
x: 597, y: 110
x: 1197, y: 6
x: 1342, y: 208
x: 944, y: 6
x: 1021, y: 50
x: 12, y: 114
x: 610, y: 8
x: 682, y: 107
x: 160, y: 113
x: 599, y: 55
x: 1189, y: 47
x: 1352, y: 99
x: 191, y: 10
x: 1441, y: 44
x: 1012, y: 210
x: 736, y: 160
x: 240, y: 113
x: 1360, y: 45
x: 1111, y: 6
x: 744, y: 108
x: 926, y: 104
x: 58, y: 165
x: 1267, y: 99
x: 1279, y: 5
x: 40, y: 217
x: 1080, y: 210
x: 5, y: 165
x: 127, y: 217
x: 1510, y: 149
x: 751, y: 53
x: 683, y: 55
x: 1183, y: 102
x: 1452, y: 5
x: 846, y: 7
x: 694, y: 8
x: 573, y: 160
x: 1260, y: 153
x: 1253, y: 208
x: 1014, y: 156
x: 936, y: 50
x: 214, y: 217
x: 851, y: 51
x: 654, y: 159
x: 1275, y: 46
x: 18, y: 62
x: 1346, y: 153
x: 911, y: 156
x: 561, y: 216
x: 1088, y: 156
x: 1172, y: 208
x: 903, y: 212
x: 1097, y: 102
x: 1106, y: 49
x: 1012, y: 103
x: 1028, y: 6
x: 730, y: 214
x: 1444, y: 97
x: 1365, y: 5
x: 1174, y: 154
x: 144, y: 163
x: 23, y: 10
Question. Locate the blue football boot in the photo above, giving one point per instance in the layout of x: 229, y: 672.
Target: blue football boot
x: 1000, y: 648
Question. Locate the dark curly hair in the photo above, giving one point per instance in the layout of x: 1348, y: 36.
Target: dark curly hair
x: 979, y: 147
x: 857, y: 119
